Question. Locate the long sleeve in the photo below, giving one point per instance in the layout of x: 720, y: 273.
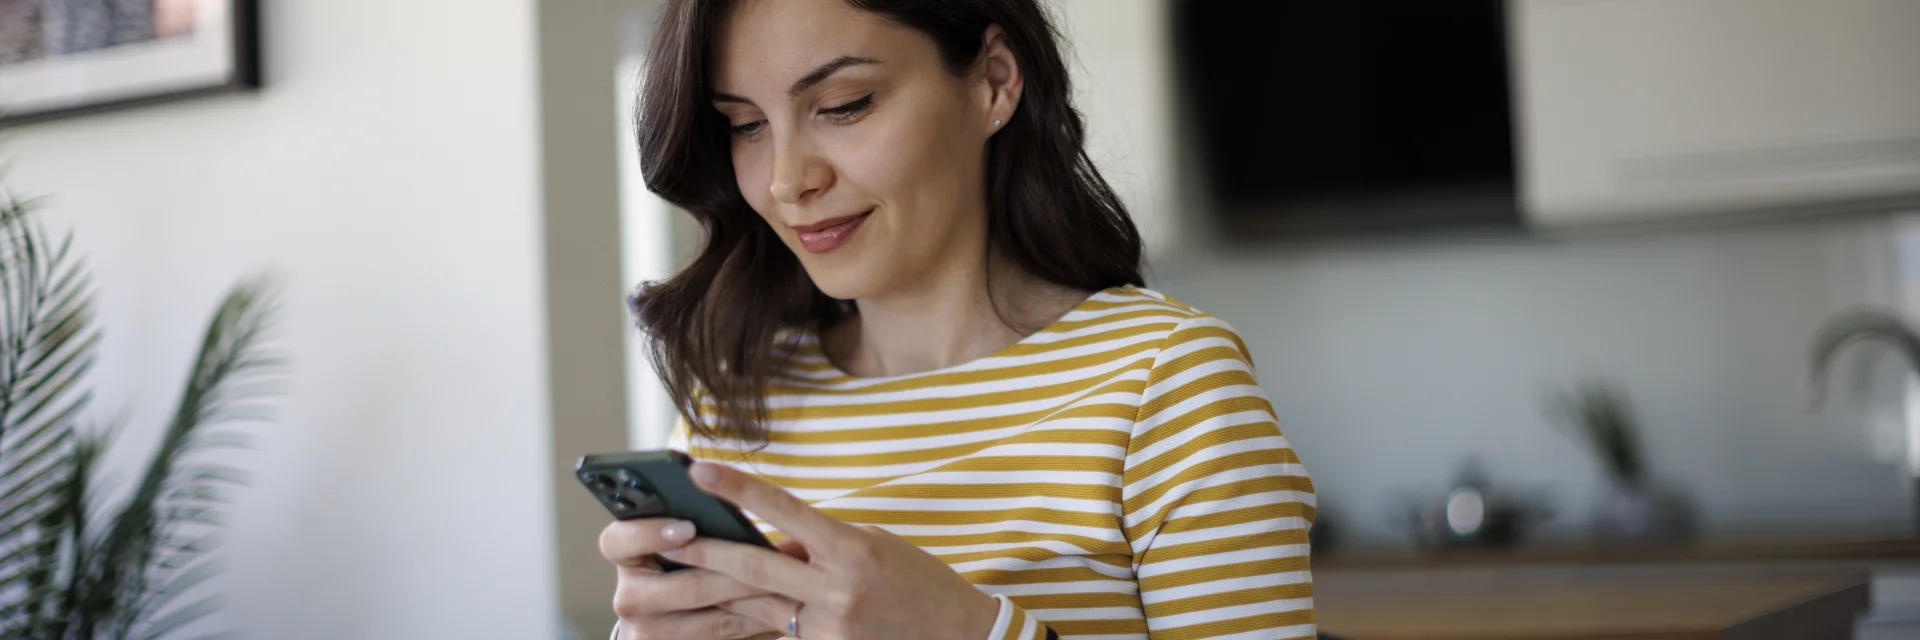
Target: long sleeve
x: 1216, y: 505
x: 1015, y: 623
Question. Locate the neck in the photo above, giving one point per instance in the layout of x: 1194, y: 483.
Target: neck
x: 948, y: 321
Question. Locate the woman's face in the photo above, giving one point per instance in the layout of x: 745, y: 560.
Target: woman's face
x: 855, y: 144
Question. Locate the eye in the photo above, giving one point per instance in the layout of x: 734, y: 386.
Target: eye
x: 746, y: 130
x: 849, y: 111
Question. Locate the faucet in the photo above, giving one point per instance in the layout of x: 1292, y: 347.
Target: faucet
x: 1862, y: 323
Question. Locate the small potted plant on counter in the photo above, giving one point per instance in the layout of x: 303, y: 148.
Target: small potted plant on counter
x: 1634, y: 510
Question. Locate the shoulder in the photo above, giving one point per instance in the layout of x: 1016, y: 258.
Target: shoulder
x: 1180, y: 329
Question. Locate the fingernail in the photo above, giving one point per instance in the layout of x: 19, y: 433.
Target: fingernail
x: 704, y: 473
x: 677, y: 531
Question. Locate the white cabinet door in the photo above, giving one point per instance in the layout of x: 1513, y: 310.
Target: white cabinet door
x: 1640, y: 109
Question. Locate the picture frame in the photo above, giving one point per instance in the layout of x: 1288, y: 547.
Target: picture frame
x: 63, y: 58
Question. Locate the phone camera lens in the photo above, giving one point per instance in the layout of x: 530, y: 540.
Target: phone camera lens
x: 624, y: 478
x: 621, y: 505
x: 598, y: 482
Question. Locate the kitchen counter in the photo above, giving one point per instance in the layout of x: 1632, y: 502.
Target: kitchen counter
x: 1770, y: 551
x: 1641, y: 601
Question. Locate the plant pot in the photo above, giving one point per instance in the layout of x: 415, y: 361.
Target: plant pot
x: 1640, y: 515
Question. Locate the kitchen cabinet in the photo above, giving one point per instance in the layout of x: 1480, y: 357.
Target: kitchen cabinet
x: 1650, y: 110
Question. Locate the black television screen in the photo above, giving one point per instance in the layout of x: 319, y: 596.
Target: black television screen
x: 1346, y: 116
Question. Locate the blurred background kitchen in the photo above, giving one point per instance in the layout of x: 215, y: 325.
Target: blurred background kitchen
x: 1534, y: 285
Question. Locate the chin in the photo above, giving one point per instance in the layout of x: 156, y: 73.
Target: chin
x: 858, y: 270
x: 843, y: 282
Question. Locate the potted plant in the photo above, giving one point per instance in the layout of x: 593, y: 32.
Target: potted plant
x: 80, y: 559
x: 1633, y: 509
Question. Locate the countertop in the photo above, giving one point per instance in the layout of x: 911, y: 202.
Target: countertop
x: 1568, y: 602
x: 1747, y: 552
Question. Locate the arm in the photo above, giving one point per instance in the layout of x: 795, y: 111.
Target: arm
x: 1216, y: 504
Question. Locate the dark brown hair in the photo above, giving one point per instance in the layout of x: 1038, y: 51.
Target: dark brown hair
x: 714, y: 327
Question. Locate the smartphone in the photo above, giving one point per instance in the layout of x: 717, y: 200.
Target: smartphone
x: 655, y: 484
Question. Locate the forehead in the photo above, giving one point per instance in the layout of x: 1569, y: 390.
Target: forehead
x: 765, y: 45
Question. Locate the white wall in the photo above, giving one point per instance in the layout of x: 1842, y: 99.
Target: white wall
x: 391, y: 171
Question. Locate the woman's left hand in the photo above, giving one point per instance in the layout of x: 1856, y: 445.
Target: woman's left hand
x: 852, y: 582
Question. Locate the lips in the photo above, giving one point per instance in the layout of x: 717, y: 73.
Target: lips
x: 827, y: 235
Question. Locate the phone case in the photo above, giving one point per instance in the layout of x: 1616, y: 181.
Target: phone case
x: 655, y: 484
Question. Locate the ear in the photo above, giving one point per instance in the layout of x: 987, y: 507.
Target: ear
x: 997, y: 81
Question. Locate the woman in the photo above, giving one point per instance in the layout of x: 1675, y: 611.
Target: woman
x: 915, y: 346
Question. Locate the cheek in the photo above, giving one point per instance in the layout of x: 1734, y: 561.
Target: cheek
x: 907, y: 162
x: 878, y: 169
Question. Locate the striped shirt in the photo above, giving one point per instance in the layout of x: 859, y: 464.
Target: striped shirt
x: 1116, y: 475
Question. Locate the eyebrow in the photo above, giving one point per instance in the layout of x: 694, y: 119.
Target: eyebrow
x: 816, y: 76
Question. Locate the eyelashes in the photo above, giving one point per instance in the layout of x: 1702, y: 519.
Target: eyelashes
x: 746, y: 130
x: 846, y: 113
x: 850, y: 110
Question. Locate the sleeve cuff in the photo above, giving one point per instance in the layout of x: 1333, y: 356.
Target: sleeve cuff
x: 1013, y: 623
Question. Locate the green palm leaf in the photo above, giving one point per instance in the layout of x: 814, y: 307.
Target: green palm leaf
x: 46, y: 345
x: 163, y: 532
x: 73, y: 567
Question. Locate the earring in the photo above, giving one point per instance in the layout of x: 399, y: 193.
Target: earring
x: 996, y: 123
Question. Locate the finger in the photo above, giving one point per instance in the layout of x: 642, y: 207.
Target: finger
x: 642, y: 570
x: 794, y: 549
x: 684, y: 590
x: 754, y: 565
x: 879, y: 531
x: 703, y: 624
x: 632, y: 543
x: 788, y: 514
x: 772, y: 611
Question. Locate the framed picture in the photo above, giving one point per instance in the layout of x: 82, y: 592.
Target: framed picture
x: 61, y: 58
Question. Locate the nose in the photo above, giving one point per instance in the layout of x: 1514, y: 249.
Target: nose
x: 799, y: 174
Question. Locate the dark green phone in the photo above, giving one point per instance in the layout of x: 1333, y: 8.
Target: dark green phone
x: 655, y: 484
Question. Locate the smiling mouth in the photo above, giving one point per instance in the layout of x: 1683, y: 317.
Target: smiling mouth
x: 827, y: 235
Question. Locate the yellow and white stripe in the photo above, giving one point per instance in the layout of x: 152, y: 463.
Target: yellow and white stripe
x: 1117, y: 475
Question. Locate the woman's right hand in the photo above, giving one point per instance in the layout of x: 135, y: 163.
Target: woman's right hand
x: 681, y: 605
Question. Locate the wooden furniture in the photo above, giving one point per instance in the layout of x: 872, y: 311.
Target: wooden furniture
x: 1592, y: 601
x: 1750, y: 551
